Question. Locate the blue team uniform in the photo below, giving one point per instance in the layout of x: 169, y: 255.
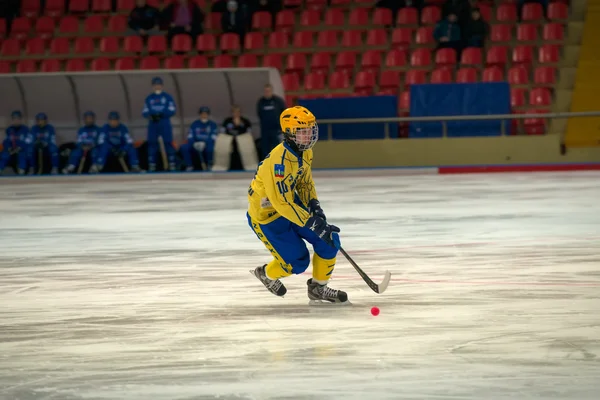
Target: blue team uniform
x: 199, y: 131
x: 116, y: 141
x: 44, y: 137
x: 161, y: 107
x: 18, y: 140
x: 87, y: 138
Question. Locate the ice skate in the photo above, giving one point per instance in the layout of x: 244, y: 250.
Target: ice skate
x: 94, y: 169
x: 137, y: 169
x: 323, y: 294
x: 274, y: 286
x: 69, y: 169
x: 20, y: 171
x: 151, y: 167
x: 172, y: 167
x: 189, y: 169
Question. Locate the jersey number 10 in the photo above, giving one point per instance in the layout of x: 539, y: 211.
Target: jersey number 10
x: 283, y: 188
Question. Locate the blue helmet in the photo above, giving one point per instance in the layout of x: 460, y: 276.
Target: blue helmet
x: 204, y: 109
x: 114, y: 115
x: 16, y: 114
x: 41, y: 117
x: 89, y: 114
x: 157, y: 80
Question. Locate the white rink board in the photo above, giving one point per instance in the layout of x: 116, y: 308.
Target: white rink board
x: 140, y: 290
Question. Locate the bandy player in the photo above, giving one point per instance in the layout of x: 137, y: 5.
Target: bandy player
x: 284, y: 211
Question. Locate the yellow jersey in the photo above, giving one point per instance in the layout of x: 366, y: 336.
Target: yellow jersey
x: 282, y: 186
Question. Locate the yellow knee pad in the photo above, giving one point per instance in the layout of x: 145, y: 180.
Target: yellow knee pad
x: 322, y: 269
x: 278, y: 269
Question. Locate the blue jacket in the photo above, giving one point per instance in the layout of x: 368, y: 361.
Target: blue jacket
x: 116, y: 137
x: 202, y: 132
x: 447, y: 29
x: 159, y: 104
x: 46, y: 135
x: 269, y: 111
x: 88, y: 135
x: 17, y: 136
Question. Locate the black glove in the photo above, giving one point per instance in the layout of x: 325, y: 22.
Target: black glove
x: 156, y: 117
x: 326, y: 232
x: 314, y: 208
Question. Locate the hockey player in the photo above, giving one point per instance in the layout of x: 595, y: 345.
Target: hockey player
x: 201, y: 140
x: 284, y: 212
x: 87, y: 138
x: 159, y: 107
x: 44, y: 143
x: 115, y: 140
x: 17, y: 142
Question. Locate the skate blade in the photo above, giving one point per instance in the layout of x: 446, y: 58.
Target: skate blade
x: 323, y: 303
x: 254, y: 275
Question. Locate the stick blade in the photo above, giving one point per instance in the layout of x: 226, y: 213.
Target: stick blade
x: 386, y: 281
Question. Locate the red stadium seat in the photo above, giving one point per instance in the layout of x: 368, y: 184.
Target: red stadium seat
x: 292, y: 3
x: 100, y: 64
x: 230, y: 42
x: 316, y: 4
x: 431, y: 15
x: 415, y: 77
x: 50, y: 66
x: 44, y: 27
x: 157, y: 3
x: 125, y: 6
x: 532, y: 12
x: 540, y: 97
x: 345, y: 61
x: 55, y: 8
x: 496, y: 55
x: 371, y: 60
x: 35, y: 47
x: 5, y: 67
x: 407, y: 16
x: 395, y: 58
x: 273, y: 61
x: 207, y: 42
x: 149, y: 63
x: 352, y: 38
x: 506, y: 12
x: 303, y: 40
x: 213, y: 22
x: 261, y: 21
x: 110, y: 45
x: 522, y: 55
x: 553, y: 32
x: 30, y: 8
x: 545, y: 76
x: 11, y: 48
x: 517, y: 97
x: 117, y: 24
x: 248, y: 61
x: 69, y: 25
x: 405, y: 100
x: 223, y: 61
x: 492, y: 74
x: 359, y: 17
x: 527, y: 32
x: 198, y: 62
x: 2, y: 28
x: 158, y: 44
x: 296, y: 62
x: 343, y: 3
x: 501, y: 33
x: 327, y: 39
x: 78, y: 6
x: 334, y: 18
x: 26, y: 66
x: 290, y: 82
x: 60, y: 46
x: 420, y: 58
x: 310, y: 19
x: 486, y: 11
x: 84, y: 45
x: 441, y: 75
x: 402, y: 37
x: 383, y: 17
x: 133, y: 44
x: 558, y: 11
x: 364, y: 83
x: 93, y: 25
x: 175, y: 62
x: 471, y: 56
x: 377, y: 38
x: 254, y: 41
x: 102, y: 6
x: 389, y: 80
x: 314, y: 81
x: 20, y: 28
x: 75, y: 65
x: 321, y: 62
x: 339, y: 80
x: 125, y: 64
x: 466, y: 75
x: 535, y: 126
x: 549, y: 54
x: 279, y: 41
x: 445, y: 57
x: 424, y: 36
x: 285, y: 21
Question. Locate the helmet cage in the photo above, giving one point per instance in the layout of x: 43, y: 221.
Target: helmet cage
x: 305, y: 137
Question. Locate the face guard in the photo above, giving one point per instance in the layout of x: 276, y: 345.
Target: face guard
x: 305, y: 138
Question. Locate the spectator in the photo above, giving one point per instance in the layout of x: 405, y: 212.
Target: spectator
x: 144, y: 19
x: 9, y: 9
x: 201, y: 141
x: 184, y: 16
x: 395, y: 5
x: 44, y: 140
x: 17, y: 144
x: 447, y: 33
x: 271, y: 6
x: 476, y: 30
x: 235, y: 126
x: 269, y: 109
x: 219, y: 6
x: 87, y: 139
x: 461, y: 8
x: 234, y: 20
x: 115, y: 141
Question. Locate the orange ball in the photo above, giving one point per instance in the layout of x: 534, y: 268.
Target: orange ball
x: 374, y: 311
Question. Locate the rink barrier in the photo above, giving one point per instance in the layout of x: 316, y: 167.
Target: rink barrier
x: 472, y: 169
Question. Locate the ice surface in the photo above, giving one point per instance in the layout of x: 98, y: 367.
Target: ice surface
x: 141, y: 290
